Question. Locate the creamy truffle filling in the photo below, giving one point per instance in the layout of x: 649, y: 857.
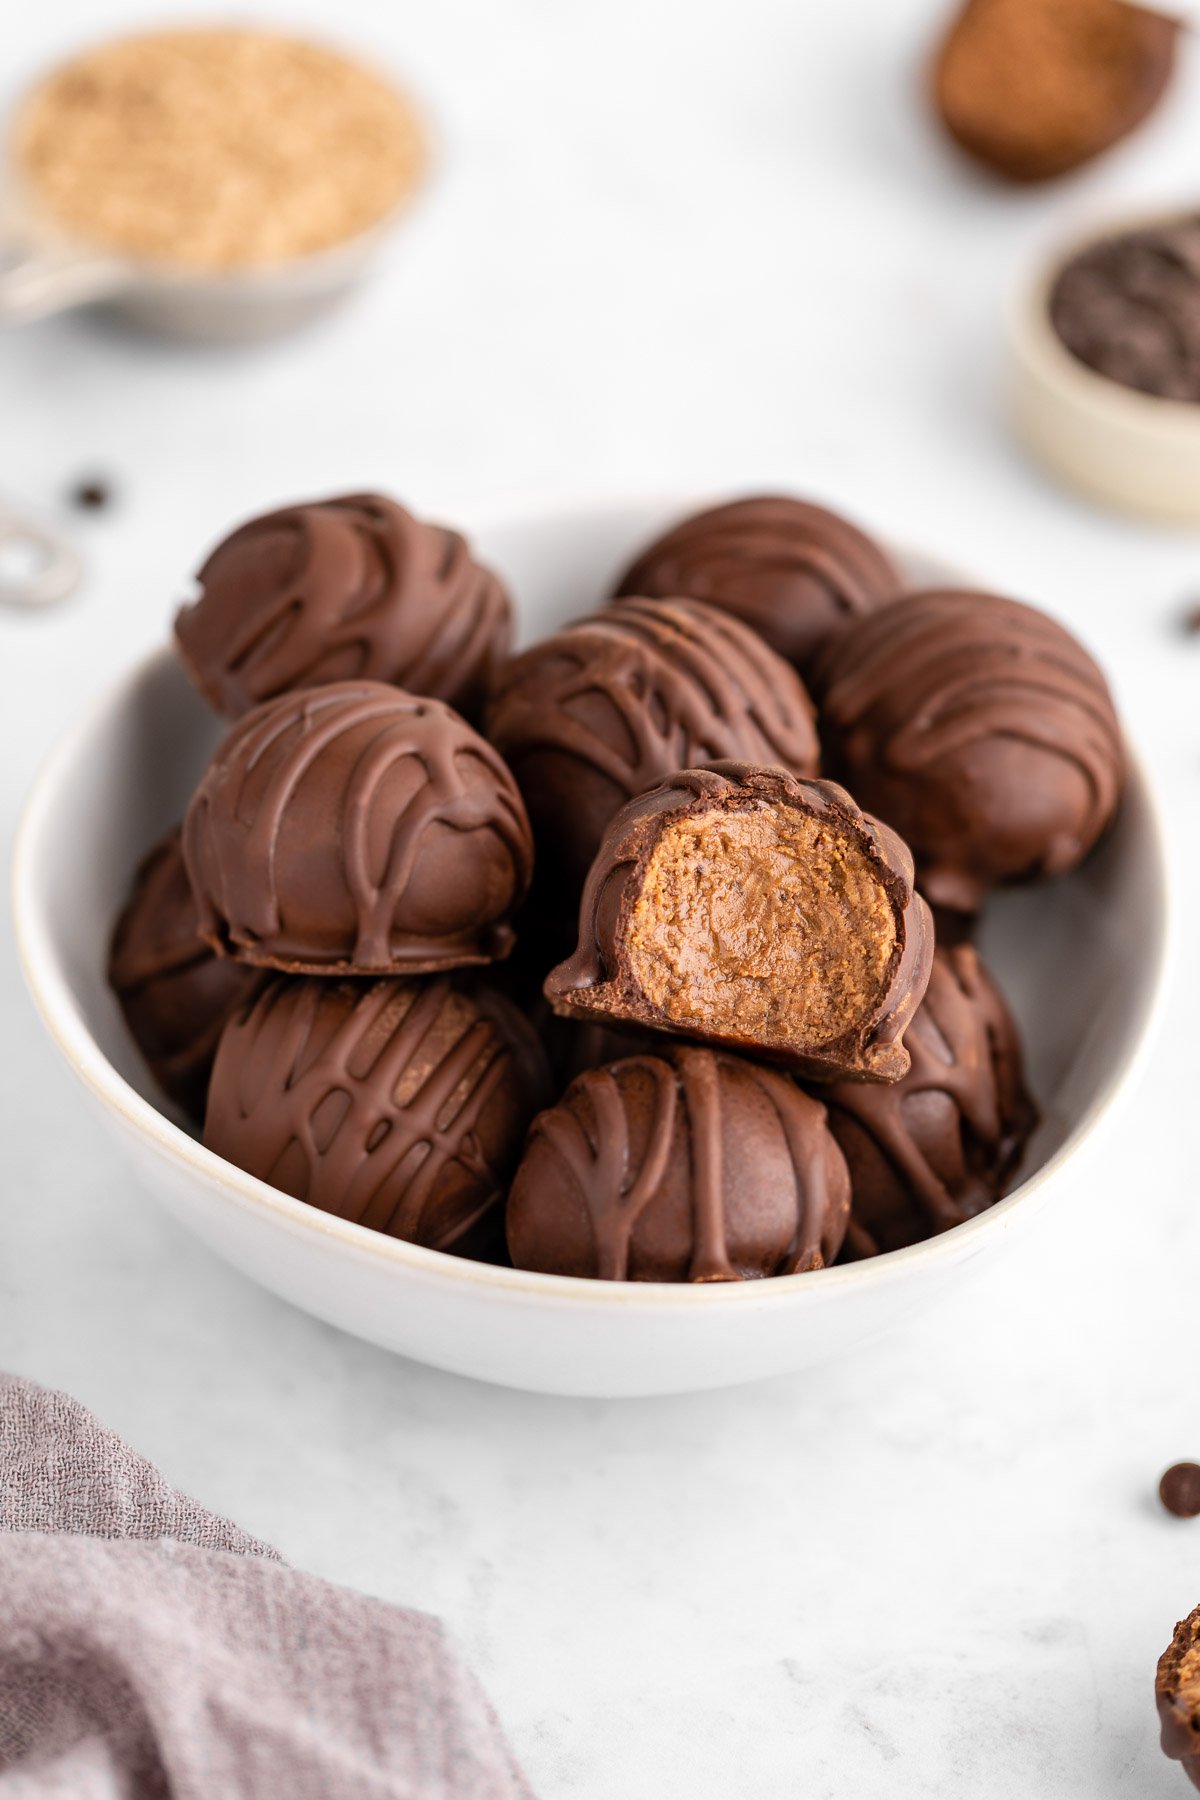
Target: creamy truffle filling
x: 764, y: 921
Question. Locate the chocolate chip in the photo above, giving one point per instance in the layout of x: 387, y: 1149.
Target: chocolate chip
x: 1179, y: 1490
x: 1190, y: 620
x: 91, y: 496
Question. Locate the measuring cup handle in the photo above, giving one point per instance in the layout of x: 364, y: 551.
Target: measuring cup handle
x: 39, y: 279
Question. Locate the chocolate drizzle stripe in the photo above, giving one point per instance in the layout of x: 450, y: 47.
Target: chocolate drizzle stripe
x: 380, y: 1157
x: 702, y: 1097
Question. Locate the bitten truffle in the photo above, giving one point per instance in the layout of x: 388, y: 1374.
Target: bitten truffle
x: 353, y: 829
x: 981, y: 731
x: 940, y: 1145
x: 401, y: 1105
x: 1036, y: 88
x: 793, y: 571
x: 607, y: 707
x: 347, y: 589
x: 690, y: 1166
x: 1177, y: 1691
x: 175, y: 994
x: 743, y: 906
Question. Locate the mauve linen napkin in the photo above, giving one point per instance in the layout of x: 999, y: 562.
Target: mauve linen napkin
x: 148, y: 1647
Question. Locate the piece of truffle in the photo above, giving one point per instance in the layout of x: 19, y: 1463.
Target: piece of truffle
x: 607, y: 707
x: 401, y: 1105
x: 353, y: 829
x: 744, y: 906
x: 941, y: 1144
x: 1177, y: 1691
x: 175, y: 994
x: 1036, y: 88
x: 981, y: 731
x: 793, y: 571
x: 690, y: 1166
x: 347, y: 589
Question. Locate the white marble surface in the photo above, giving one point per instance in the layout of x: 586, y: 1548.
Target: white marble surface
x: 668, y: 245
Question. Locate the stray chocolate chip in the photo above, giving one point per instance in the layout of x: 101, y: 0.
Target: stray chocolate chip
x: 1179, y: 1490
x: 91, y: 496
x: 1190, y: 620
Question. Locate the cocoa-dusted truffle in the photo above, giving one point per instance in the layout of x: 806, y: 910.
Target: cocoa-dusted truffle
x: 743, y: 906
x: 1177, y: 1691
x: 940, y: 1145
x: 347, y: 589
x: 981, y: 731
x: 1036, y: 88
x: 353, y: 829
x: 690, y: 1166
x: 401, y: 1105
x: 601, y: 711
x: 793, y: 571
x: 174, y: 992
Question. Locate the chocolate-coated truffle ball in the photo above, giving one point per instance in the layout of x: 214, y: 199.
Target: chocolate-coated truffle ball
x: 353, y: 829
x: 401, y: 1105
x: 690, y: 1166
x: 174, y: 992
x: 1177, y: 1691
x: 793, y: 571
x: 744, y: 906
x: 981, y: 731
x: 347, y: 589
x: 940, y: 1145
x: 607, y: 707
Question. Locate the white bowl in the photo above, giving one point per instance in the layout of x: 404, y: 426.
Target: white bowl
x: 1079, y: 959
x: 1129, y: 450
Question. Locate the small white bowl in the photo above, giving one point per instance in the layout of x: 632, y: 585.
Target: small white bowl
x: 1129, y: 450
x: 1080, y: 960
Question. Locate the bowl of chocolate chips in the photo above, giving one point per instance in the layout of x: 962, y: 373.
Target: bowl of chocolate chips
x: 642, y: 946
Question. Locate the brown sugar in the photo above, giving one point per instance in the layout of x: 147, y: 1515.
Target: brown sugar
x: 1034, y: 88
x: 217, y: 149
x: 765, y: 922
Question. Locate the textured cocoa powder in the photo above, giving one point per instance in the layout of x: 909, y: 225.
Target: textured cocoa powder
x: 1034, y: 88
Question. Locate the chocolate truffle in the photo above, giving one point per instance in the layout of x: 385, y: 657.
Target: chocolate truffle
x: 174, y: 992
x: 1036, y: 88
x: 743, y: 906
x: 353, y: 829
x: 794, y: 572
x: 938, y: 1146
x: 604, y: 709
x: 401, y: 1105
x: 981, y: 731
x: 691, y: 1166
x: 1177, y: 1691
x: 347, y: 589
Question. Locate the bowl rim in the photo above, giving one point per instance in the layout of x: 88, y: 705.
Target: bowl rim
x: 63, y: 1019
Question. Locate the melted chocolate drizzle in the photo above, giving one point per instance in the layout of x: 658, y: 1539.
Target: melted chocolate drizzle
x: 344, y: 589
x: 233, y: 844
